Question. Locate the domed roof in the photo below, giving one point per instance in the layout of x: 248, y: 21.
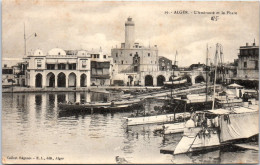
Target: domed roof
x: 56, y: 52
x: 38, y: 52
x: 190, y: 123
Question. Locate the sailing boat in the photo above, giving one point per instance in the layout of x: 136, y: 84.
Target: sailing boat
x: 190, y: 101
x: 158, y: 118
x: 177, y: 81
x: 212, y: 128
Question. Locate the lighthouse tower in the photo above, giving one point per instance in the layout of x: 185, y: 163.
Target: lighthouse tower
x: 129, y: 33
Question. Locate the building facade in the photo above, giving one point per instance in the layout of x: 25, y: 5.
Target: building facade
x: 248, y: 66
x: 136, y: 64
x: 165, y: 64
x: 58, y: 69
x: 7, y: 76
x: 100, y: 68
x: 248, y: 62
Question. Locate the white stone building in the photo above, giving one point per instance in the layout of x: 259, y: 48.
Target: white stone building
x: 57, y: 69
x: 135, y: 64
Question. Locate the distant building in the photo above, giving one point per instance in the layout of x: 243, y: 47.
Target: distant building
x: 248, y: 66
x: 14, y: 75
x: 58, y: 69
x: 165, y: 64
x: 7, y: 76
x: 198, y: 66
x: 136, y: 64
x: 230, y: 71
x: 100, y: 68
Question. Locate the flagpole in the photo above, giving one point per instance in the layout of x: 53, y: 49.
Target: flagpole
x: 35, y: 35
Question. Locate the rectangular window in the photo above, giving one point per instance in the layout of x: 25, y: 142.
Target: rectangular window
x: 130, y: 54
x: 61, y: 66
x: 148, y: 54
x: 116, y: 54
x: 135, y: 68
x: 122, y: 62
x: 7, y: 71
x: 97, y: 55
x: 84, y: 63
x: 72, y: 66
x: 50, y: 66
x: 39, y: 63
x: 245, y: 64
x: 104, y: 56
x: 115, y: 61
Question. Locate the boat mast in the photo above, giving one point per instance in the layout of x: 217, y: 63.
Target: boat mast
x: 175, y: 62
x: 207, y: 73
x: 222, y: 64
x: 215, y: 76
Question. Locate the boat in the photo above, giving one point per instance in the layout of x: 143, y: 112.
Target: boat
x: 199, y: 104
x: 173, y: 128
x: 216, y: 127
x: 117, y: 104
x: 120, y: 108
x: 177, y: 82
x: 193, y: 102
x: 196, y: 102
x: 225, y: 102
x: 160, y: 118
x: 213, y: 128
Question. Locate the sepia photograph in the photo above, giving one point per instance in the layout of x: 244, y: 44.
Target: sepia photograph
x: 130, y: 82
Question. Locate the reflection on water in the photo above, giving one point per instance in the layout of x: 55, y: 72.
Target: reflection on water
x: 33, y: 126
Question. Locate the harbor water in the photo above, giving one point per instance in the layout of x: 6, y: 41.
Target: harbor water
x: 34, y: 128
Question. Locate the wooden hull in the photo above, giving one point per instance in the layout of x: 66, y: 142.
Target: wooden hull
x: 233, y: 126
x: 173, y: 128
x: 196, y: 143
x: 165, y: 118
x: 98, y: 106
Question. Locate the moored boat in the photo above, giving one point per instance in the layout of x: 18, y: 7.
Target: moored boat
x: 212, y: 128
x: 173, y: 128
x: 160, y: 118
x: 176, y: 82
x: 100, y: 105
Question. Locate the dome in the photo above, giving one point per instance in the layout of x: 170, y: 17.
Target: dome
x: 190, y: 123
x: 57, y: 52
x: 38, y: 52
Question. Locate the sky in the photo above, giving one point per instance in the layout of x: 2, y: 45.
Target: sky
x: 91, y: 25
